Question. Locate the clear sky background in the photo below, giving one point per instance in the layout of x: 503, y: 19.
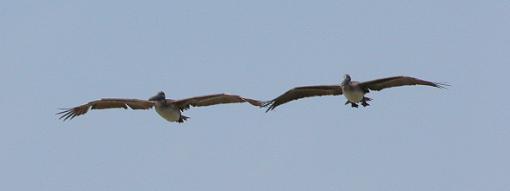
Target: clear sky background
x: 56, y: 54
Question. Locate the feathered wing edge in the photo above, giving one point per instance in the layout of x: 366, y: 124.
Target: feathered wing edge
x: 214, y: 99
x: 397, y: 81
x: 106, y: 103
x: 302, y: 92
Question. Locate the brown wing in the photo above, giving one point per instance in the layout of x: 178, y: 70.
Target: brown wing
x: 302, y: 92
x: 397, y: 81
x: 105, y: 103
x: 213, y: 100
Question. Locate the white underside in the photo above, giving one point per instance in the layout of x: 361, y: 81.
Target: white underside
x: 169, y: 113
x: 354, y: 96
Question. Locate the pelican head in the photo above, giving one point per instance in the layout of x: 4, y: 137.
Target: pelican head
x: 347, y: 79
x: 158, y: 97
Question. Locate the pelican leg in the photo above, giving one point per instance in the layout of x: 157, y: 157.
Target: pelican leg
x: 182, y: 119
x: 352, y: 104
x: 365, y: 100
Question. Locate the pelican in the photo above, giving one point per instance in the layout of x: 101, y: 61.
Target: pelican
x: 167, y: 108
x: 354, y: 91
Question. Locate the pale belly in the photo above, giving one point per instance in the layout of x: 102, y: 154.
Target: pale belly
x: 171, y: 114
x: 354, y: 96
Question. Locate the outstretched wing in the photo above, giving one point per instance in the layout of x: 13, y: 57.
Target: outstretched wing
x: 214, y: 99
x: 397, y: 81
x: 105, y: 103
x: 302, y: 92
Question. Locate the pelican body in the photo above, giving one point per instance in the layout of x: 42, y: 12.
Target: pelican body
x: 353, y: 91
x: 168, y: 109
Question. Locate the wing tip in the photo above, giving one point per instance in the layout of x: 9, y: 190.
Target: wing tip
x: 441, y: 85
x: 66, y: 114
x: 269, y: 104
x: 253, y: 102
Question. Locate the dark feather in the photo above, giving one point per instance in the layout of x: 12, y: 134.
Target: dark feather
x: 213, y: 100
x: 397, y: 81
x: 106, y: 103
x: 303, y: 92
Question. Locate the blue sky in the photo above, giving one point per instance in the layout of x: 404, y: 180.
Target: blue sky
x: 56, y: 54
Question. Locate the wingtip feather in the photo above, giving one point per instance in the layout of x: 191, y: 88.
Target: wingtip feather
x: 442, y: 85
x: 269, y: 104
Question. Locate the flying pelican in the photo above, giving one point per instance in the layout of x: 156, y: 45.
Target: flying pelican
x: 352, y: 90
x: 167, y: 108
